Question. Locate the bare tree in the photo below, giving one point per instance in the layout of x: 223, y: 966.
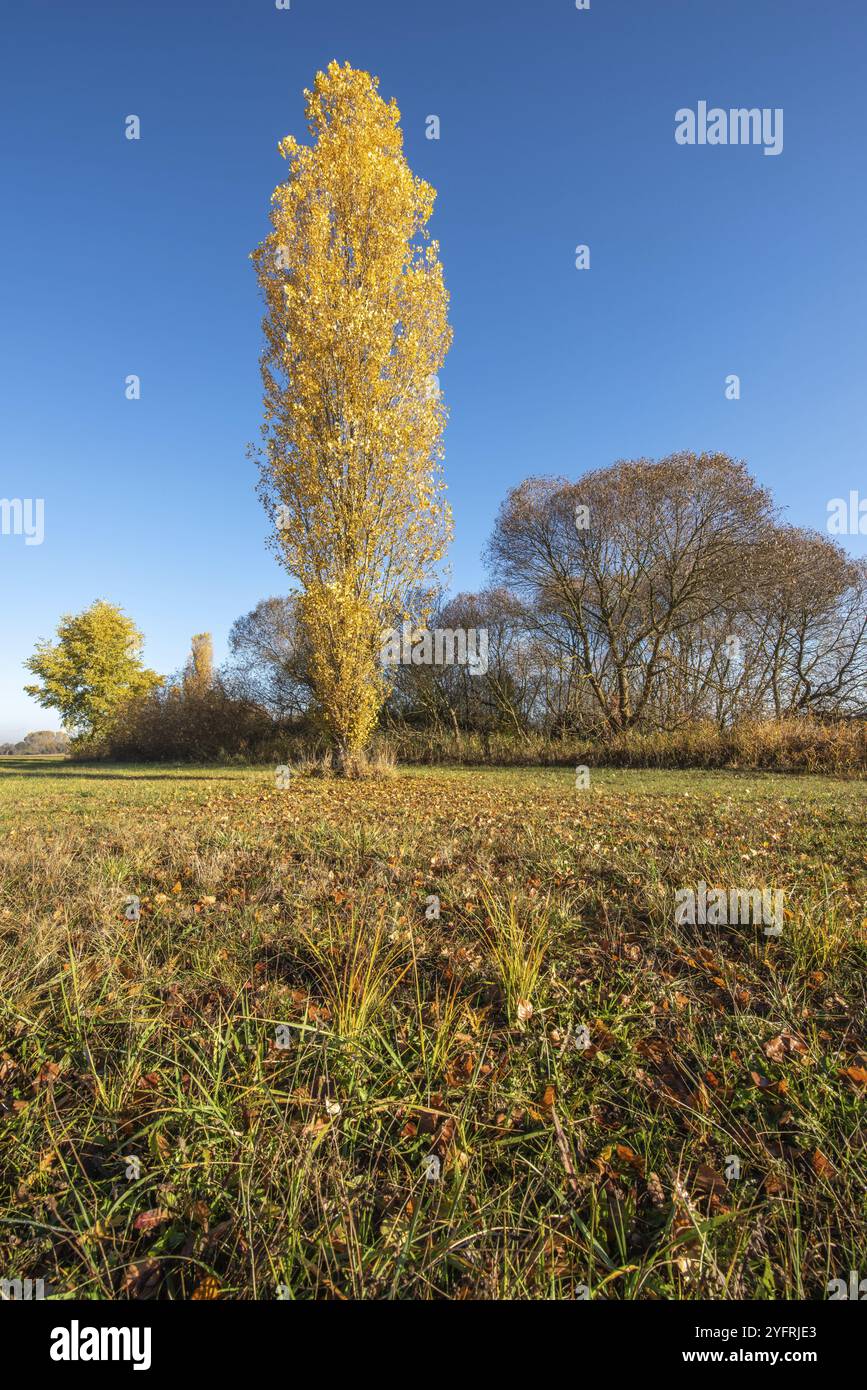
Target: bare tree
x: 808, y: 624
x: 270, y: 658
x: 619, y: 566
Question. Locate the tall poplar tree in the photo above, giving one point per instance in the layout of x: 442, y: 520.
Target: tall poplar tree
x: 355, y: 333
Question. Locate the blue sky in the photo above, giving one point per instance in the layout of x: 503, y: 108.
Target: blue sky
x: 557, y: 128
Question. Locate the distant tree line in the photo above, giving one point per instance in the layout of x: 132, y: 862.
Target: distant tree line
x: 648, y: 596
x: 41, y: 742
x: 645, y: 597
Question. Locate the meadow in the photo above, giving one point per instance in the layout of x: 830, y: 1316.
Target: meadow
x: 430, y: 1035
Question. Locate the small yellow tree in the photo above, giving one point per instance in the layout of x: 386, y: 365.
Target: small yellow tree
x: 93, y: 670
x: 355, y: 332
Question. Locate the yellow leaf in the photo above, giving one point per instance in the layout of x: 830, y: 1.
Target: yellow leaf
x: 209, y: 1287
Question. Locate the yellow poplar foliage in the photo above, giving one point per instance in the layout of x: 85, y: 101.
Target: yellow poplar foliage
x: 355, y: 332
x: 343, y: 632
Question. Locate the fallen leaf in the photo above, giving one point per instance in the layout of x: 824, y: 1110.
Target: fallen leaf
x: 707, y: 1180
x: 783, y: 1046
x: 209, y: 1287
x: 856, y: 1074
x: 141, y: 1280
x: 149, y: 1220
x: 822, y: 1166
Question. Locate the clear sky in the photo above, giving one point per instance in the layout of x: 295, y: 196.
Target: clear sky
x: 557, y: 129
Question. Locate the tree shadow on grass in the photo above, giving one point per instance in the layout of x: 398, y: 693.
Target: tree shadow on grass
x: 51, y: 767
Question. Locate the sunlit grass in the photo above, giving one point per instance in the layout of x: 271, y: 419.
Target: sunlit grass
x: 294, y: 1161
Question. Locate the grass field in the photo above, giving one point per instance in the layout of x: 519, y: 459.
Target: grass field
x: 285, y: 1079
